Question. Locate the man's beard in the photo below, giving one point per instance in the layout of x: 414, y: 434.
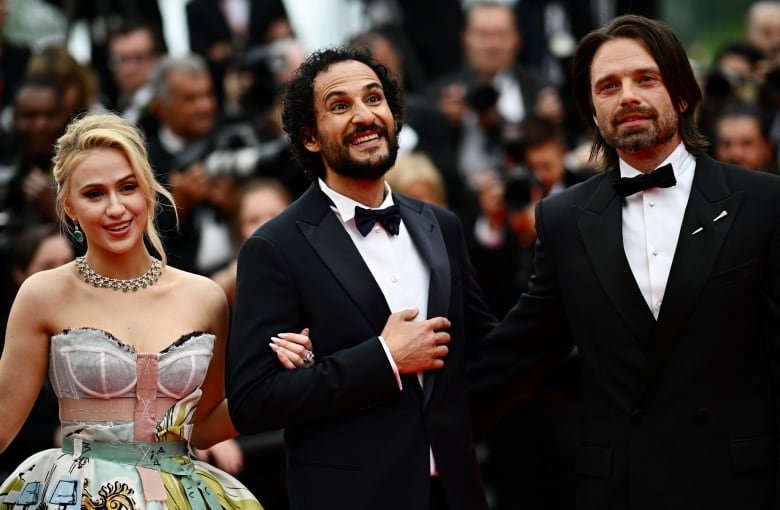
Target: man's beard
x: 661, y: 129
x: 339, y: 160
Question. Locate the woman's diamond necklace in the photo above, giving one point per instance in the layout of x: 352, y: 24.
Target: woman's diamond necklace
x: 147, y: 279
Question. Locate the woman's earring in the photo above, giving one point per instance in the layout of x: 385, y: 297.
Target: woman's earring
x: 78, y: 236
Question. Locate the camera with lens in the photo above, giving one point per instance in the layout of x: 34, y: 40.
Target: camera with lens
x: 238, y: 148
x: 517, y: 189
x: 720, y: 86
x: 482, y: 97
x: 234, y: 151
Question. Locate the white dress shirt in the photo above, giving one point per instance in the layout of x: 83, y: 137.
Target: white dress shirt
x: 394, y: 262
x: 651, y: 226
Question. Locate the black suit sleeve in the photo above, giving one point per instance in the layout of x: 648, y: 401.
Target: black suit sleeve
x: 263, y: 395
x: 530, y: 340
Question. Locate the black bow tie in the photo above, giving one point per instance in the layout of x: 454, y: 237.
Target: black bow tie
x: 662, y: 177
x: 389, y: 217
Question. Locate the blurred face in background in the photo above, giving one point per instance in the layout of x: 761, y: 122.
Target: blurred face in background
x: 257, y: 207
x: 190, y: 108
x: 52, y: 252
x: 38, y: 120
x: 739, y: 141
x: 384, y: 52
x: 132, y: 59
x: 546, y: 162
x: 763, y: 30
x: 491, y: 39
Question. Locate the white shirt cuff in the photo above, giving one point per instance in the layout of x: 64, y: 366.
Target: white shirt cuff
x: 392, y: 363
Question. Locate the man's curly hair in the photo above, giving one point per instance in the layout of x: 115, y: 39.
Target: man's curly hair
x: 298, y: 100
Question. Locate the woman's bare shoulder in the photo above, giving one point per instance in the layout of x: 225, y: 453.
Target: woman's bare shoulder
x: 205, y: 300
x: 195, y: 286
x: 49, y: 284
x: 45, y: 296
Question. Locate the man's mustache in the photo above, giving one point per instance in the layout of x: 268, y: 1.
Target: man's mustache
x: 381, y: 131
x: 623, y: 113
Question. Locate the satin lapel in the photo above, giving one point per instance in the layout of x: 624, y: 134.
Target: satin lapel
x: 710, y: 212
x: 709, y: 215
x: 427, y: 237
x: 327, y: 236
x: 601, y: 229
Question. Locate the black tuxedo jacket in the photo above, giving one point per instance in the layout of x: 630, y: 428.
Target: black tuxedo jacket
x: 353, y: 439
x: 681, y: 412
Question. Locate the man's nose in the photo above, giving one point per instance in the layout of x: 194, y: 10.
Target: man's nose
x: 629, y: 92
x: 362, y: 114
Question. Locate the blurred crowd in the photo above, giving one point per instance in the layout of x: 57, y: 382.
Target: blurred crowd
x: 489, y: 129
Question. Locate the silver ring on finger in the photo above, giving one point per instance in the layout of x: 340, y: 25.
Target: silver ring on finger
x: 308, y: 358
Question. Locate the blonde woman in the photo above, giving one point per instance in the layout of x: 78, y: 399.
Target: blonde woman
x: 134, y: 349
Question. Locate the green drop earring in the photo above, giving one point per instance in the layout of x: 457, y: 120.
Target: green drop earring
x: 78, y: 236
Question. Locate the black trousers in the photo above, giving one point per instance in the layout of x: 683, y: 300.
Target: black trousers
x: 438, y: 499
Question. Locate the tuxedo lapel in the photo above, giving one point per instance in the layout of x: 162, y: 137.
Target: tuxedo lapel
x: 427, y: 237
x: 710, y: 212
x: 709, y: 215
x: 601, y: 229
x: 332, y: 243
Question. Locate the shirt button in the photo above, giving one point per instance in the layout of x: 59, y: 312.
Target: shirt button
x: 394, y: 278
x: 651, y: 204
x: 655, y: 253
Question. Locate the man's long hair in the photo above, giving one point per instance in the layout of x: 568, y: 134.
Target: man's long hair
x: 668, y: 52
x: 298, y: 116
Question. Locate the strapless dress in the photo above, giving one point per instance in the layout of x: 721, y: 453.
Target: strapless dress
x: 126, y: 419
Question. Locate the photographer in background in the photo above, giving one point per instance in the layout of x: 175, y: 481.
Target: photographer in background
x: 735, y: 78
x: 491, y: 89
x: 252, y: 144
x: 38, y: 119
x: 501, y: 237
x: 222, y: 31
x: 205, y: 159
x: 502, y: 246
x: 186, y: 108
x: 741, y: 101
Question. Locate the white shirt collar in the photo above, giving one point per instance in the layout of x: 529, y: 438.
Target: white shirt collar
x: 682, y: 161
x: 170, y: 141
x: 345, y: 206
